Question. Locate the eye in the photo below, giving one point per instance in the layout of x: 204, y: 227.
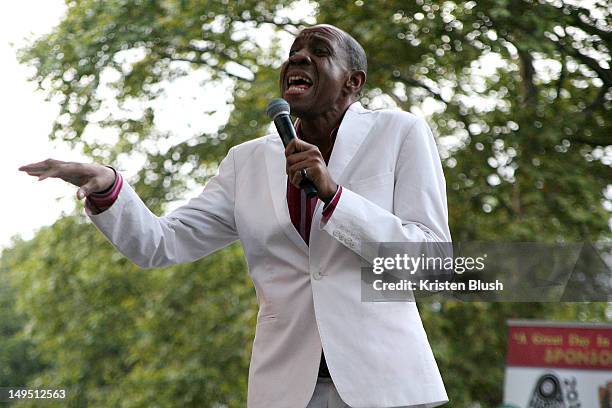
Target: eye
x: 320, y: 51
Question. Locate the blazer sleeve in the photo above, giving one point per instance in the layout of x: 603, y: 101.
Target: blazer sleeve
x: 420, y: 211
x: 203, y: 225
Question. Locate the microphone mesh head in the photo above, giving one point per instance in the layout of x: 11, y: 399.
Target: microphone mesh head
x: 276, y: 107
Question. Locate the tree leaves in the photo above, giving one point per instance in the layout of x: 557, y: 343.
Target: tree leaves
x: 519, y: 96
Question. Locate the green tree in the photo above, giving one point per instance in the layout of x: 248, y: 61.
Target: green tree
x: 521, y: 98
x: 521, y: 109
x: 116, y: 335
x: 19, y: 358
x: 520, y: 93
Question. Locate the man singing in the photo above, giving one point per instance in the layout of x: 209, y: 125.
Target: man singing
x: 379, y: 179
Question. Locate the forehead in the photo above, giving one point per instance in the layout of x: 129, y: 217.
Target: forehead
x: 324, y: 33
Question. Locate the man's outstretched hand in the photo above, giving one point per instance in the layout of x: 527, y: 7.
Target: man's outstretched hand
x: 90, y: 178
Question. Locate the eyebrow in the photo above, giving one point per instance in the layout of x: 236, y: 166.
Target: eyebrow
x: 326, y: 41
x: 321, y: 37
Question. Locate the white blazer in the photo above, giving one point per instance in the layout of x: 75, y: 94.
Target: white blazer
x: 310, y: 297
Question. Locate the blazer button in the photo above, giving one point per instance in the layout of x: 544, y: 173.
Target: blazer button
x: 317, y: 275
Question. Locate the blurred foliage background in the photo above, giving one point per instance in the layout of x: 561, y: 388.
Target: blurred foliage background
x: 517, y: 91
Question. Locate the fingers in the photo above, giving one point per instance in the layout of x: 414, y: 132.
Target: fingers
x: 298, y: 145
x: 38, y: 165
x: 291, y: 147
x: 74, y: 173
x: 88, y: 177
x: 311, y: 165
x: 299, y: 151
x: 39, y: 168
x: 295, y: 171
x: 85, y: 190
x: 296, y: 178
x: 100, y: 182
x: 302, y: 156
x: 34, y: 169
x: 47, y: 174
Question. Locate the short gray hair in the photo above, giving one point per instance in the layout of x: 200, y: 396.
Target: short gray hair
x: 356, y: 55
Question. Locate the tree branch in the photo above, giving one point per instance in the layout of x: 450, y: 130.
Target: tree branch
x: 604, y: 74
x: 528, y: 73
x: 594, y: 142
x: 287, y: 25
x: 436, y: 95
x: 200, y: 61
x: 419, y: 84
x: 597, y: 102
x: 561, y: 76
x: 578, y: 13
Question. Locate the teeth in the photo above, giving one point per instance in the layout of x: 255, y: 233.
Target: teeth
x: 295, y: 89
x: 293, y: 78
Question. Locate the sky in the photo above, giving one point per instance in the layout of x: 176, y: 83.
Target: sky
x: 26, y: 120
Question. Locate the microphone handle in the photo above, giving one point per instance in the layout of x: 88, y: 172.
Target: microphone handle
x: 287, y: 134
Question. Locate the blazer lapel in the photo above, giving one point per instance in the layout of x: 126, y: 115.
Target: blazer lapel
x: 353, y: 130
x: 277, y: 180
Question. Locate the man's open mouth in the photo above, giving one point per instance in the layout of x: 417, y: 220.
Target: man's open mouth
x: 298, y: 84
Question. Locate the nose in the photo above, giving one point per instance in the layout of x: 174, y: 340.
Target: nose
x: 300, y: 57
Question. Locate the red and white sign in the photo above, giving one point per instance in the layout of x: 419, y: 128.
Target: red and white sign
x: 558, y: 364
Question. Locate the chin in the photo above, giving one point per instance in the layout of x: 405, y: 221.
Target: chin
x: 298, y: 108
x: 304, y: 112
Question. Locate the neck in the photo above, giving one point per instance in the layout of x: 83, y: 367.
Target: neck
x: 316, y: 130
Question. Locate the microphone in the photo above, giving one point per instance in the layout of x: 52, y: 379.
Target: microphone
x: 278, y: 110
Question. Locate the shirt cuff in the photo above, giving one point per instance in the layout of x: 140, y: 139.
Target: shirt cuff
x: 331, y: 206
x: 102, y: 201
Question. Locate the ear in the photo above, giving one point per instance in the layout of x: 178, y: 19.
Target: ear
x: 356, y: 81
